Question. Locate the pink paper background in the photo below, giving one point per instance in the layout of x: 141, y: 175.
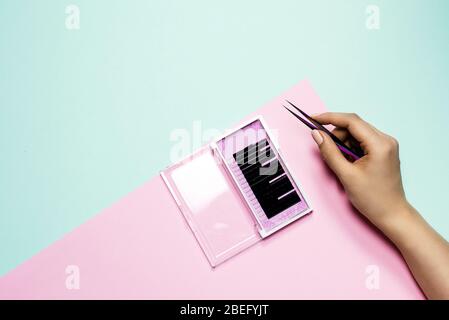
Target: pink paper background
x: 142, y: 248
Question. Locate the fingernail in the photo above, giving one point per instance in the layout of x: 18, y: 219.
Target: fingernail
x: 317, y: 137
x: 313, y: 115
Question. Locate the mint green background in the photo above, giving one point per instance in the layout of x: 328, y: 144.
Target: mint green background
x: 85, y: 116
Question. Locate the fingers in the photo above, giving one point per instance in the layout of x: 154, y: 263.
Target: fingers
x: 341, y: 134
x: 348, y: 140
x: 330, y: 153
x: 358, y: 128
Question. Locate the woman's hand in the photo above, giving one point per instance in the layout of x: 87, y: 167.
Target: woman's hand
x: 373, y: 183
x: 374, y: 186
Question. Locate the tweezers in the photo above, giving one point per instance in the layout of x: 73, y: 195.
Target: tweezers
x: 314, y: 125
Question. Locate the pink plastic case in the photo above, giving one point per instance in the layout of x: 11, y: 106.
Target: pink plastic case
x: 208, y: 188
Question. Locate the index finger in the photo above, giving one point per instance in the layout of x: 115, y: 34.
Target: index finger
x: 357, y: 127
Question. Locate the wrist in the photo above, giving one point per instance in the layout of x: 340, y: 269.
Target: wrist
x: 398, y: 221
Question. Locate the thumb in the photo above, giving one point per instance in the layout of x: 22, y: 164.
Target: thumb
x: 330, y: 152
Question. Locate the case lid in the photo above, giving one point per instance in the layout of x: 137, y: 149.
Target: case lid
x: 212, y: 206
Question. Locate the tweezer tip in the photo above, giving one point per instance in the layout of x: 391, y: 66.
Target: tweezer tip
x: 302, y: 112
x: 289, y: 110
x: 294, y: 106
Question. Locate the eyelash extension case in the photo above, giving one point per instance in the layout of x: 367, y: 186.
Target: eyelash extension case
x: 235, y: 191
